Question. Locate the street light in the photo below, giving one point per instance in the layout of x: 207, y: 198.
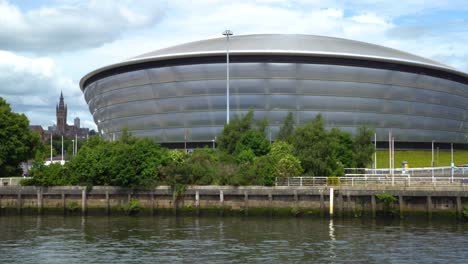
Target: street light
x: 227, y: 33
x: 432, y: 163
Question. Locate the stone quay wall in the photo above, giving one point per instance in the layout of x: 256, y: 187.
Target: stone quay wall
x: 227, y: 200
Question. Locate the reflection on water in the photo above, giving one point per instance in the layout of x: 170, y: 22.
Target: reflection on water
x: 52, y: 239
x: 331, y: 232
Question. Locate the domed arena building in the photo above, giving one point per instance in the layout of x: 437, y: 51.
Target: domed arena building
x: 178, y: 94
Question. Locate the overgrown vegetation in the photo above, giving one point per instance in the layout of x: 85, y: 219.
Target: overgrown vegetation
x: 388, y: 201
x: 133, y: 207
x: 17, y: 142
x: 465, y: 211
x: 72, y: 206
x: 244, y: 157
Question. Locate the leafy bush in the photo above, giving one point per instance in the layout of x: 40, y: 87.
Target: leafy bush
x: 133, y: 207
x: 333, y: 181
x: 388, y: 202
x: 72, y: 206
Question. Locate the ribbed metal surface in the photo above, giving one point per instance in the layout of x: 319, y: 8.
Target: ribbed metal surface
x: 163, y: 102
x: 289, y: 43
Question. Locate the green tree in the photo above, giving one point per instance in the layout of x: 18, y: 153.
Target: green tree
x: 232, y: 132
x: 287, y: 129
x: 288, y: 166
x: 17, y: 142
x: 254, y: 140
x: 315, y: 148
x: 344, y: 145
x: 363, y: 147
x: 240, y: 135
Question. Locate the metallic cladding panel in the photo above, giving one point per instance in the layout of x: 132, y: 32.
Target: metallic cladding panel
x: 163, y: 102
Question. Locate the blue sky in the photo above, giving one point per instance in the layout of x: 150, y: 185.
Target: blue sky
x: 47, y: 46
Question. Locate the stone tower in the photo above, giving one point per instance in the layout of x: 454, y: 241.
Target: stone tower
x: 61, y: 113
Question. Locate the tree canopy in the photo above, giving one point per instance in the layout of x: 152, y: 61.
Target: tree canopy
x: 17, y: 142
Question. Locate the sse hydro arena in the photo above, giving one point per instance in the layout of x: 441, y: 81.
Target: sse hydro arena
x: 178, y: 94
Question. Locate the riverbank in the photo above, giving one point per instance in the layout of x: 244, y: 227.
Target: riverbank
x: 339, y: 201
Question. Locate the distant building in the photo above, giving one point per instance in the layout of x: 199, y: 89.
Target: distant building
x: 61, y: 127
x: 39, y: 130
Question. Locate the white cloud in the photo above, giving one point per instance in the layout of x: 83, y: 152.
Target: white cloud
x: 100, y: 32
x: 33, y: 85
x: 72, y: 27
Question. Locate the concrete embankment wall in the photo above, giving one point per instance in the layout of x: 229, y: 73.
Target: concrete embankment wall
x: 226, y: 200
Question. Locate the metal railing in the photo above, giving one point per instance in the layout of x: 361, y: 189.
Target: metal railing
x: 425, y: 171
x: 10, y: 181
x: 372, y: 180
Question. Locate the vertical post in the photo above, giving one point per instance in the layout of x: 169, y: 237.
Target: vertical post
x: 322, y: 203
x: 227, y: 33
x: 373, y: 205
x: 246, y: 203
x: 107, y: 203
x: 64, y: 203
x: 39, y: 200
x: 451, y: 162
x: 152, y: 202
x: 401, y: 204
x: 19, y: 203
x: 51, y: 148
x: 83, y: 201
x: 270, y: 203
x: 432, y: 162
x: 390, y: 151
x: 340, y: 202
x: 185, y: 140
x: 221, y: 198
x: 197, y: 199
x: 459, y: 207
x: 348, y: 203
x: 227, y: 79
x: 375, y: 152
x: 331, y: 202
x: 62, y: 150
x: 76, y: 144
x: 429, y: 206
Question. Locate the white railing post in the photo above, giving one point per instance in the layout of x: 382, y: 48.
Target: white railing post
x: 300, y: 180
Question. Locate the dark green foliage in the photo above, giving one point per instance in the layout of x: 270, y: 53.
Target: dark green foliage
x: 244, y: 157
x: 254, y: 140
x: 287, y: 129
x: 363, y: 147
x: 133, y: 207
x: 232, y: 133
x: 333, y: 181
x: 315, y: 148
x: 17, y: 142
x: 72, y: 206
x: 99, y: 162
x: 344, y: 147
x: 465, y: 211
x: 54, y: 174
x: 264, y: 169
x: 388, y: 201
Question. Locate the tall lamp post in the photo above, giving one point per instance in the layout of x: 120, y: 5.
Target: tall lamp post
x: 227, y: 33
x: 432, y: 162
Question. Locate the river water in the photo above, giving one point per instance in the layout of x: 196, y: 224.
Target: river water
x: 56, y: 239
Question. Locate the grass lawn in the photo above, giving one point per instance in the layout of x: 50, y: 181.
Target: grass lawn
x: 422, y: 158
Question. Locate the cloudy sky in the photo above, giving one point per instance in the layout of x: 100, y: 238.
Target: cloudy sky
x: 46, y: 46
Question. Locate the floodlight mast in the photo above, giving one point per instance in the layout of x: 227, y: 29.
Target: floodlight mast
x: 227, y: 33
